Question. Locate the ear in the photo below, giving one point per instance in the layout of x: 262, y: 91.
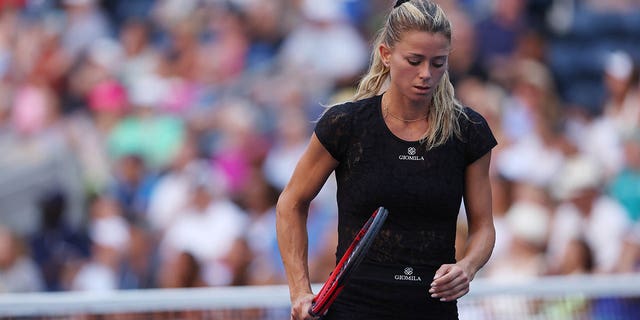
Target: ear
x: 385, y: 54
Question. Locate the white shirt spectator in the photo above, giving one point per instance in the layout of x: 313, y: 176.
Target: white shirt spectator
x: 169, y: 197
x: 603, y: 229
x: 208, y: 236
x: 22, y: 276
x: 95, y: 276
x: 530, y: 160
x: 337, y: 50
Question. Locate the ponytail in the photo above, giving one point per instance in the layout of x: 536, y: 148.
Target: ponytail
x: 374, y: 81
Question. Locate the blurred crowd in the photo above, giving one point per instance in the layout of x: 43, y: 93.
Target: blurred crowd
x: 145, y: 142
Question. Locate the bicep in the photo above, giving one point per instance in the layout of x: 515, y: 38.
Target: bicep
x: 477, y: 193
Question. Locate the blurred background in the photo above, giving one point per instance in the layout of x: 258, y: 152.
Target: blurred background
x: 144, y: 143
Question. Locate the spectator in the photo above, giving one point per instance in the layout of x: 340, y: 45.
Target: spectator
x: 524, y: 260
x: 498, y: 33
x: 18, y: 272
x: 181, y: 271
x: 148, y: 132
x: 625, y: 186
x: 528, y: 227
x: 139, y: 264
x: 531, y: 124
x: 55, y: 244
x: 621, y: 83
x: 132, y: 187
x: 171, y: 193
x: 85, y: 22
x: 584, y: 212
x: 338, y: 53
x: 292, y: 133
x: 140, y: 58
x: 110, y: 235
x: 260, y: 199
x: 578, y: 258
x: 207, y: 228
x: 630, y: 257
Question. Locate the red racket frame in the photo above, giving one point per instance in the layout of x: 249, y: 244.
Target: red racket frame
x: 349, y: 262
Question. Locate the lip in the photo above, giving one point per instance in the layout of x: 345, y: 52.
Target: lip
x: 422, y: 88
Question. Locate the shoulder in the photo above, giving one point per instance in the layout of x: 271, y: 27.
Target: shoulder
x: 470, y: 116
x: 610, y: 208
x: 475, y: 134
x: 472, y: 122
x: 344, y: 115
x: 336, y: 127
x: 350, y: 109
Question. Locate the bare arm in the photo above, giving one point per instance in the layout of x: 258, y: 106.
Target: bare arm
x: 452, y: 281
x: 312, y: 171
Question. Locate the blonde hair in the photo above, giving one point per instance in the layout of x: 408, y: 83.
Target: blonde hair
x: 420, y: 15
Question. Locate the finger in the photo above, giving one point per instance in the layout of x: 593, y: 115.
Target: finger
x: 450, y: 288
x: 444, y: 269
x: 457, y: 295
x: 442, y: 280
x: 452, y: 293
x: 442, y: 289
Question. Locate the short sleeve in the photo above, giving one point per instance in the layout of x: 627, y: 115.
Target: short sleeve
x: 479, y: 138
x: 333, y: 130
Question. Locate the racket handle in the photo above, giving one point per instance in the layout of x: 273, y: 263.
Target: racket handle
x: 312, y: 310
x: 313, y: 314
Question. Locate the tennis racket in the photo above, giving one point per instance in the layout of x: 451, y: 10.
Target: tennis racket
x: 349, y: 262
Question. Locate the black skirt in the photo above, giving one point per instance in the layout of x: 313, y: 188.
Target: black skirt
x: 391, y: 292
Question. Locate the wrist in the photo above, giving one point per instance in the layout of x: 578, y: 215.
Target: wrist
x: 470, y: 268
x: 296, y: 293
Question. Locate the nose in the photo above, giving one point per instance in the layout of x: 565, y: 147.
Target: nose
x: 425, y: 72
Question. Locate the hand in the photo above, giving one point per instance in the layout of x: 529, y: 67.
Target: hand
x: 300, y: 307
x: 450, y: 282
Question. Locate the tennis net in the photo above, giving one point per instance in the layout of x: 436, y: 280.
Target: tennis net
x: 577, y: 297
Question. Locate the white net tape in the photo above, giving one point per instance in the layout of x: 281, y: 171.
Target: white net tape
x: 577, y: 297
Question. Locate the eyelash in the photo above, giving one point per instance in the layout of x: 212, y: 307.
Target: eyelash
x: 415, y: 63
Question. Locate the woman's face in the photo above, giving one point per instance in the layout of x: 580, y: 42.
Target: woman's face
x: 417, y: 63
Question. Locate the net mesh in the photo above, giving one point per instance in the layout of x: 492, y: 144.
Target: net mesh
x: 606, y: 297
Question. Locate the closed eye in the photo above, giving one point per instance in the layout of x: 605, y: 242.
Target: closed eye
x: 438, y: 62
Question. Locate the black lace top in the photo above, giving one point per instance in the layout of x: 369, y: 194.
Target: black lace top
x: 421, y: 189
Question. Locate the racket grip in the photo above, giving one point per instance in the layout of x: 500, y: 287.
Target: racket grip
x: 313, y: 314
x: 312, y: 310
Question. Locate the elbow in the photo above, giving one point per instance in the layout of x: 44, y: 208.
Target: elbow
x: 289, y: 206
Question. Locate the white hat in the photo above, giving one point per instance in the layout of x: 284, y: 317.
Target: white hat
x: 324, y: 10
x: 619, y: 65
x: 111, y: 231
x: 147, y: 90
x: 529, y: 221
x: 578, y: 174
x: 107, y: 53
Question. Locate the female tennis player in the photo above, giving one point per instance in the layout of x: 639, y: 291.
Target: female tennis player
x: 406, y: 144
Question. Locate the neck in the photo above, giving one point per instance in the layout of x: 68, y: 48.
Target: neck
x: 403, y: 112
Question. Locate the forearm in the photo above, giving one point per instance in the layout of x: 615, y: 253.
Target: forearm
x: 312, y: 171
x: 478, y: 248
x: 293, y: 243
x: 482, y: 234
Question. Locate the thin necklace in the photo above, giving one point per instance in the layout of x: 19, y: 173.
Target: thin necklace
x: 386, y: 111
